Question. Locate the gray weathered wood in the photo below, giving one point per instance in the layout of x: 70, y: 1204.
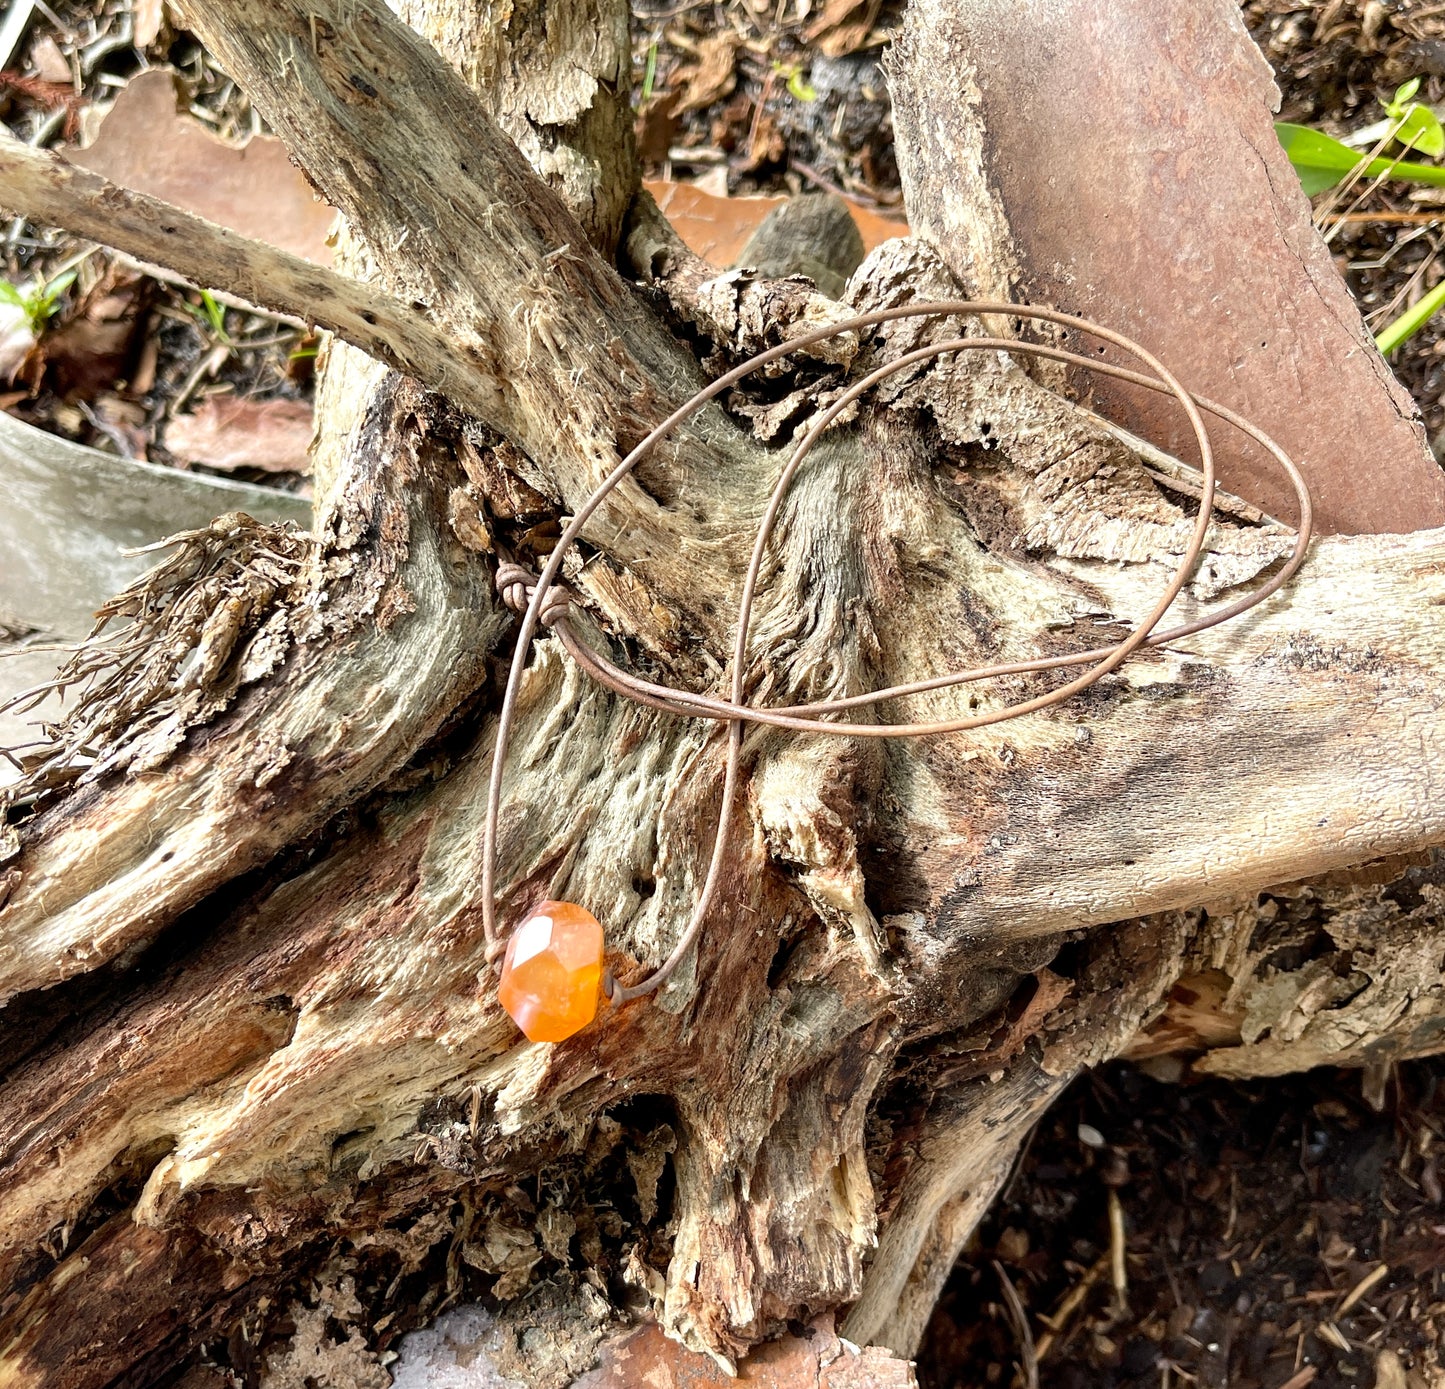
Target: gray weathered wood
x: 266, y: 951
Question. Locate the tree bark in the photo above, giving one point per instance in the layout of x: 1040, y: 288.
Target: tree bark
x: 1148, y: 189
x: 245, y: 1041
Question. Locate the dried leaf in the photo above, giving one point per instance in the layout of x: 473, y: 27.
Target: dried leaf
x: 711, y: 77
x: 717, y: 228
x: 714, y: 228
x: 254, y: 190
x: 765, y: 143
x: 844, y: 26
x: 818, y: 1359
x: 227, y: 432
x: 90, y: 348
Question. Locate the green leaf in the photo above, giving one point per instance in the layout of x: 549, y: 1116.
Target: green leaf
x: 799, y: 87
x: 1421, y: 130
x: 1411, y: 321
x: 1404, y: 92
x: 1322, y: 162
x: 45, y: 303
x: 649, y: 72
x: 11, y: 295
x: 215, y: 313
x: 60, y: 284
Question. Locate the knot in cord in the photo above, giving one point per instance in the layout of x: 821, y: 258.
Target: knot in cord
x: 517, y: 584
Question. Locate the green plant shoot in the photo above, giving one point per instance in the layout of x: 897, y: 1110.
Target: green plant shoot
x: 1322, y: 161
x: 215, y: 314
x: 1411, y: 321
x: 649, y: 71
x: 798, y: 85
x: 1416, y: 125
x: 39, y: 302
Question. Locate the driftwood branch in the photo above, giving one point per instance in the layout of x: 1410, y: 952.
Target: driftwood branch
x: 44, y: 187
x: 455, y: 222
x: 250, y: 1028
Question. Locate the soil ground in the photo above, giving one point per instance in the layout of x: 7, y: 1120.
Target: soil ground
x: 1271, y: 1234
x: 1247, y: 1213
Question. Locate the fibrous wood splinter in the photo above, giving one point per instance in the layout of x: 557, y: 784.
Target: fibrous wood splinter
x: 553, y: 961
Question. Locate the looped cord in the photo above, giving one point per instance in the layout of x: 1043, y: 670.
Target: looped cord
x: 536, y: 598
x: 516, y: 583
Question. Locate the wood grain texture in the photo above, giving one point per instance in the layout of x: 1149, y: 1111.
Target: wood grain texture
x: 250, y: 1038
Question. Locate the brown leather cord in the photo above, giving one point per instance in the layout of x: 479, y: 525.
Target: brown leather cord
x: 538, y: 599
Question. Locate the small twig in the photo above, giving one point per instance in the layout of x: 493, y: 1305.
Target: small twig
x: 1402, y: 219
x: 229, y: 301
x: 1301, y: 1378
x: 1388, y: 311
x: 1230, y: 506
x: 829, y: 186
x: 1118, y: 1265
x: 1373, y: 1278
x: 1020, y: 1319
x: 1355, y: 174
x: 208, y: 365
x: 240, y: 345
x: 1069, y: 1304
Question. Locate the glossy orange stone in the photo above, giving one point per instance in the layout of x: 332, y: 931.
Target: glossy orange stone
x: 552, y: 971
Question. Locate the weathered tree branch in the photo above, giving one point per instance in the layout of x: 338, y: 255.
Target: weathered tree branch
x: 216, y: 1080
x: 459, y: 226
x: 43, y: 186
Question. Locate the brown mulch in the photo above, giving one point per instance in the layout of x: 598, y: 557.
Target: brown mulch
x: 1251, y: 1212
x: 768, y: 97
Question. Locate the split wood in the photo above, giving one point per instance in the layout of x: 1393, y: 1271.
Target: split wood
x: 542, y: 604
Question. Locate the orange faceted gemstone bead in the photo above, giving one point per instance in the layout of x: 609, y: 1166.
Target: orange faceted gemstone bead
x: 552, y: 971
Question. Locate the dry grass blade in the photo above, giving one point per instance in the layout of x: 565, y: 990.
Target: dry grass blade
x: 1371, y: 1280
x: 1019, y: 1317
x: 1118, y: 1265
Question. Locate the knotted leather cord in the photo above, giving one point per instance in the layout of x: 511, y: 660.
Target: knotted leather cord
x: 544, y: 605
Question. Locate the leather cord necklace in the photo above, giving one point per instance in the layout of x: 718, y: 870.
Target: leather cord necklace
x: 553, y: 959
